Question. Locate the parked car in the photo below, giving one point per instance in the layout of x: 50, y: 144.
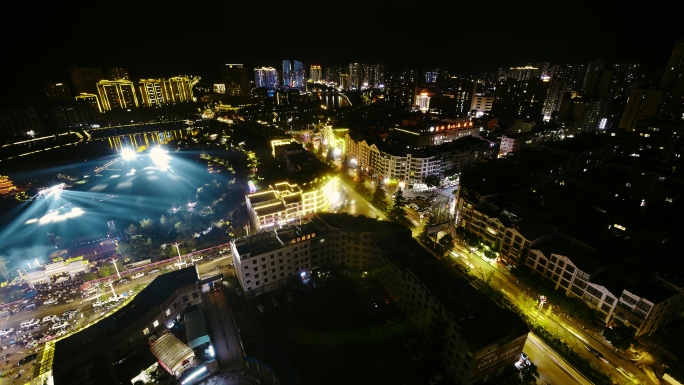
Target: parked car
x: 392, y: 320
x: 436, y: 379
x: 59, y: 325
x: 417, y: 356
x: 261, y: 308
x: 153, y: 271
x: 49, y: 318
x: 26, y: 359
x: 238, y: 291
x: 30, y: 306
x: 410, y: 342
x: 29, y: 323
x: 290, y: 297
x: 51, y: 301
x: 275, y: 302
x: 122, y: 281
x: 137, y: 275
x: 6, y: 332
x: 70, y: 313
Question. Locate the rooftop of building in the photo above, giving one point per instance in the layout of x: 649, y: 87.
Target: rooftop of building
x: 582, y: 143
x: 258, y: 243
x: 465, y: 143
x: 271, y: 208
x: 586, y: 259
x: 482, y: 322
x: 262, y: 196
x: 89, y: 339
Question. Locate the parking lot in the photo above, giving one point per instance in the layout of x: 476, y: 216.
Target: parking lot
x: 345, y: 331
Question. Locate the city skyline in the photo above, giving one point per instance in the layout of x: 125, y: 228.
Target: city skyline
x: 470, y: 43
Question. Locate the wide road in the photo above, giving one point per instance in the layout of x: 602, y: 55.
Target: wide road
x: 360, y: 205
x: 567, y: 329
x: 550, y: 365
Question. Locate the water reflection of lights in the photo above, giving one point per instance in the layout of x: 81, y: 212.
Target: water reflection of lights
x: 55, y: 216
x: 160, y: 158
x: 52, y: 191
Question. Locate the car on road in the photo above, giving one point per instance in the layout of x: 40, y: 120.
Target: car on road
x: 624, y: 372
x: 256, y: 381
x: 601, y: 357
x: 290, y: 297
x: 49, y: 318
x: 261, y: 308
x: 397, y: 327
x: 436, y: 379
x: 6, y: 332
x: 238, y: 291
x: 410, y: 342
x: 392, y: 320
x: 417, y: 356
x: 32, y: 345
x: 275, y: 302
x: 51, y: 301
x: 122, y: 281
x: 153, y: 271
x: 70, y: 313
x: 26, y: 359
x: 138, y: 275
x: 29, y: 323
x: 59, y: 325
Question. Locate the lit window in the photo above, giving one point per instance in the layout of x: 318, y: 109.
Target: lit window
x: 146, y: 331
x: 168, y: 312
x: 155, y: 323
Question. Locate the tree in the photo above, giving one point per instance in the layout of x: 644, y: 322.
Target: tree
x: 399, y: 199
x: 148, y: 225
x: 432, y: 181
x: 380, y: 197
x: 621, y: 337
x: 132, y: 229
x: 105, y: 271
x: 446, y: 243
x: 4, y: 270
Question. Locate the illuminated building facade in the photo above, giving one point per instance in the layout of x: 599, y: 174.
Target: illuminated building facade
x: 236, y: 80
x: 92, y: 99
x: 57, y: 92
x: 117, y: 94
x: 220, y: 88
x: 177, y: 89
x: 6, y: 186
x: 266, y: 77
x: 332, y: 75
x: 270, y: 260
x: 287, y: 74
x: 354, y: 76
x: 423, y: 101
x: 151, y: 92
x: 611, y: 293
x: 672, y: 84
x: 285, y: 203
x: 299, y: 75
x: 481, y: 104
x: 424, y: 134
x: 344, y: 82
x: 85, y: 79
x: 414, y: 165
x: 315, y: 74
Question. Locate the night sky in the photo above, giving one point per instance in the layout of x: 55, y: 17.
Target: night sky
x: 159, y: 39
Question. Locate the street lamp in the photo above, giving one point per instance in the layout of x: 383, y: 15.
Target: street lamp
x: 116, y: 267
x: 179, y: 255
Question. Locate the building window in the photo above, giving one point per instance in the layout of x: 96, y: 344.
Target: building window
x: 168, y: 312
x: 155, y: 323
x: 146, y: 331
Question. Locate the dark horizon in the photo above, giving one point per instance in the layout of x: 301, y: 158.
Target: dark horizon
x: 462, y: 41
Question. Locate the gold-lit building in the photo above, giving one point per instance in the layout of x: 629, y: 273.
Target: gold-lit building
x: 6, y: 186
x: 155, y: 92
x: 286, y: 203
x: 117, y: 94
x: 93, y: 99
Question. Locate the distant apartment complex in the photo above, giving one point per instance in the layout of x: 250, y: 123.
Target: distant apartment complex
x: 413, y: 165
x: 157, y: 92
